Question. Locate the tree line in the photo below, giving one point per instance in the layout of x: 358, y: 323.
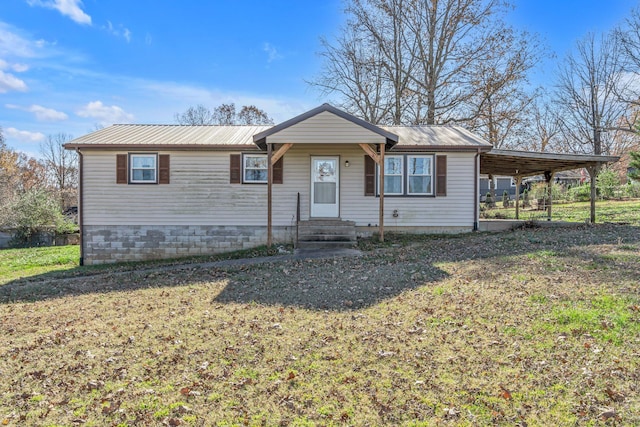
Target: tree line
x: 433, y: 62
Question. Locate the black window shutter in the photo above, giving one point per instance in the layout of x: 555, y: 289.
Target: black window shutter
x: 163, y: 169
x: 441, y: 175
x: 369, y: 176
x: 121, y: 169
x: 235, y: 169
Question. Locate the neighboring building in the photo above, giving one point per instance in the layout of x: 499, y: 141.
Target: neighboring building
x: 162, y: 191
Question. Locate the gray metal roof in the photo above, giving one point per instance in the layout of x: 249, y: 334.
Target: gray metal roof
x: 260, y: 138
x: 168, y: 135
x: 425, y: 136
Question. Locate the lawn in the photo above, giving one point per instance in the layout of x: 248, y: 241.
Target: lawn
x: 532, y: 327
x: 618, y: 211
x: 16, y: 263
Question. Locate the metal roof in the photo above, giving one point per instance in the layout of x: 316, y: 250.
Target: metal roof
x: 525, y: 163
x: 429, y: 136
x: 170, y: 136
x: 260, y: 138
x: 221, y: 137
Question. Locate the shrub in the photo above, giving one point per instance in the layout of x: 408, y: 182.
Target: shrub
x: 632, y: 189
x: 581, y: 193
x: 32, y: 213
x: 489, y: 202
x: 505, y: 199
x: 607, y: 182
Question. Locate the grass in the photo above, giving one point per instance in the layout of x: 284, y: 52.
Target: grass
x: 63, y: 261
x: 17, y: 263
x: 532, y: 327
x: 618, y: 211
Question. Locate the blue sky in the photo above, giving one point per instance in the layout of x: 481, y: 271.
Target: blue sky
x: 69, y: 65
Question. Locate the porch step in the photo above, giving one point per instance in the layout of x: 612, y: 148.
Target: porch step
x: 326, y: 233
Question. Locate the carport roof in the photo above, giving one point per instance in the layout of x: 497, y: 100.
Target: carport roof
x: 525, y: 163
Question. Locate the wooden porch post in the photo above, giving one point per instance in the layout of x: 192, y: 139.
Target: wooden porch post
x: 518, y: 184
x: 269, y: 194
x: 381, y: 231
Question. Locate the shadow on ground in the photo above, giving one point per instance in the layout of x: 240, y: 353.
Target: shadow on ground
x: 346, y: 283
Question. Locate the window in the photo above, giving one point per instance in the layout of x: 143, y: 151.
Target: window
x: 143, y: 168
x: 408, y: 175
x: 419, y: 172
x: 393, y: 168
x: 255, y: 168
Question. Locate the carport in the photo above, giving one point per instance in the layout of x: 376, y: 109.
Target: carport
x: 522, y: 164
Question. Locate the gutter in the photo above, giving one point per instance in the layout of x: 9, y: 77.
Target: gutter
x: 80, y: 205
x: 476, y: 178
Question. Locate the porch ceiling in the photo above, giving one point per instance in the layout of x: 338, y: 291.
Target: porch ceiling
x: 524, y: 163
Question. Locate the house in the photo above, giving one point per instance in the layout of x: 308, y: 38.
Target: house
x: 163, y: 191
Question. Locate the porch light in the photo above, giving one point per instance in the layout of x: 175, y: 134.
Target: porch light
x: 346, y: 163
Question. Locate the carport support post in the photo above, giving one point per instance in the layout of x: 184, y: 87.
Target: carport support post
x: 593, y: 173
x: 518, y: 184
x: 548, y: 176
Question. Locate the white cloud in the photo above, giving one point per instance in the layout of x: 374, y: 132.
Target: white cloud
x: 9, y: 82
x: 69, y: 8
x: 18, y: 68
x: 13, y: 44
x: 272, y: 52
x: 42, y: 113
x: 120, y: 31
x: 107, y: 115
x: 23, y: 135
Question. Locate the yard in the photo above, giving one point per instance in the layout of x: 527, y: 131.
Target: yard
x: 617, y: 211
x: 530, y: 327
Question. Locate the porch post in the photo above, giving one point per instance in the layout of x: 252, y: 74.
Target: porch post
x: 518, y: 184
x: 269, y: 194
x: 381, y: 231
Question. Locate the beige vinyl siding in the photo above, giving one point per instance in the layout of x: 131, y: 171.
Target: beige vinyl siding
x: 200, y: 193
x: 326, y: 128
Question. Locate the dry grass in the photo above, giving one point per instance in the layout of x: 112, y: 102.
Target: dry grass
x: 531, y: 327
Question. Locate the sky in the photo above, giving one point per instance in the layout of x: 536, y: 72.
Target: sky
x: 70, y: 66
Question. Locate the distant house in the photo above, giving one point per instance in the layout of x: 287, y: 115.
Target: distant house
x: 158, y: 191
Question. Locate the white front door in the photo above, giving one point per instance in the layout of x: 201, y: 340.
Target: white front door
x: 325, y: 187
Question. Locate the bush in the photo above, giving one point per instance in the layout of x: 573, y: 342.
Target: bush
x: 581, y: 193
x: 505, y: 199
x: 607, y: 182
x: 33, y: 214
x: 632, y: 189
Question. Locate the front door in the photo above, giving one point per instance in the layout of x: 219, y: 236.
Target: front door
x: 325, y: 187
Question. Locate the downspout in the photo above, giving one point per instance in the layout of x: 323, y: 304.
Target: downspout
x: 80, y: 205
x: 476, y: 177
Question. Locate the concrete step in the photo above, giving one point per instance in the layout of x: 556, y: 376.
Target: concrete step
x: 326, y: 233
x: 326, y: 245
x: 327, y: 237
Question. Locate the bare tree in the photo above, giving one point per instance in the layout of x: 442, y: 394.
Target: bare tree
x: 61, y: 167
x: 418, y: 62
x: 252, y: 115
x: 224, y: 114
x: 353, y: 69
x: 545, y: 128
x: 498, y: 107
x: 198, y: 115
x: 587, y: 96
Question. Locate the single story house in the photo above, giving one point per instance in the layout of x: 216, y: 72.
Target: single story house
x: 163, y: 191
